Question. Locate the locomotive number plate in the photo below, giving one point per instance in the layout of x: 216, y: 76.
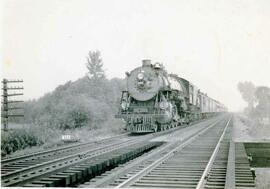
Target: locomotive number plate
x: 140, y: 110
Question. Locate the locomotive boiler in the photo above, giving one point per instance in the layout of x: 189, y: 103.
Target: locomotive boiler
x: 156, y: 101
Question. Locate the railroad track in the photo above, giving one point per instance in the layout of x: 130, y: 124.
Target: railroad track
x: 20, y: 170
x: 75, y: 164
x: 201, y: 161
x: 33, y: 172
x: 13, y: 164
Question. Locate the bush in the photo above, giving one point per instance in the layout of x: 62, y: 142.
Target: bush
x: 76, y: 104
x: 18, y: 139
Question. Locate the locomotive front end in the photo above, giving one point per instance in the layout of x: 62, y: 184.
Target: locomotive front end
x: 143, y: 83
x: 143, y: 106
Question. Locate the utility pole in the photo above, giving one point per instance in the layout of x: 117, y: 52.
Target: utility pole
x: 6, y: 102
x: 268, y: 109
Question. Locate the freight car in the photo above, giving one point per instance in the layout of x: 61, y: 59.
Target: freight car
x: 156, y: 101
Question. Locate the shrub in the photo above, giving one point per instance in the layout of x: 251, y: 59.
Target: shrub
x: 76, y: 104
x: 18, y: 139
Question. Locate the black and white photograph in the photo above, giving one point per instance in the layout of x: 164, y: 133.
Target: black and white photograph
x: 135, y: 94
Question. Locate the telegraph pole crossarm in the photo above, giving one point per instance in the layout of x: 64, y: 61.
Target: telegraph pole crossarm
x: 13, y: 101
x: 14, y: 115
x: 12, y: 81
x: 14, y: 108
x: 13, y: 88
x: 14, y: 94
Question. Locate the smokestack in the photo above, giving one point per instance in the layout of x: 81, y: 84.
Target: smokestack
x: 146, y: 62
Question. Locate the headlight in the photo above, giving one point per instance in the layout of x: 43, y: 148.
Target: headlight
x: 124, y: 105
x: 163, y: 105
x: 140, y: 76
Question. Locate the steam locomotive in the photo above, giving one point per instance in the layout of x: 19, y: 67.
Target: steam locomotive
x: 156, y: 101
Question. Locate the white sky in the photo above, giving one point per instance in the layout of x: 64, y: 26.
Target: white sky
x: 214, y: 43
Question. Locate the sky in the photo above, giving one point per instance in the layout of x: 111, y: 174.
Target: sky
x: 212, y: 43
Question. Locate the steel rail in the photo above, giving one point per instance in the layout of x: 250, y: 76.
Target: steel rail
x: 41, y: 153
x: 19, y: 158
x: 58, y: 163
x: 29, y: 173
x: 60, y: 151
x: 84, y: 155
x: 202, y: 181
x: 128, y: 167
x: 162, y: 159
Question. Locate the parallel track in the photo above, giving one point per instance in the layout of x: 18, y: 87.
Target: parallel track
x: 13, y: 164
x: 15, y: 178
x: 181, y: 164
x: 18, y: 171
x: 199, y: 162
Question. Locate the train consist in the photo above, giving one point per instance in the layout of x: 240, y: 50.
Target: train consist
x: 156, y: 101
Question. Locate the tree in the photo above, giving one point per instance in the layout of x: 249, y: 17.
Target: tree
x: 95, y: 66
x: 262, y: 94
x: 247, y: 90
